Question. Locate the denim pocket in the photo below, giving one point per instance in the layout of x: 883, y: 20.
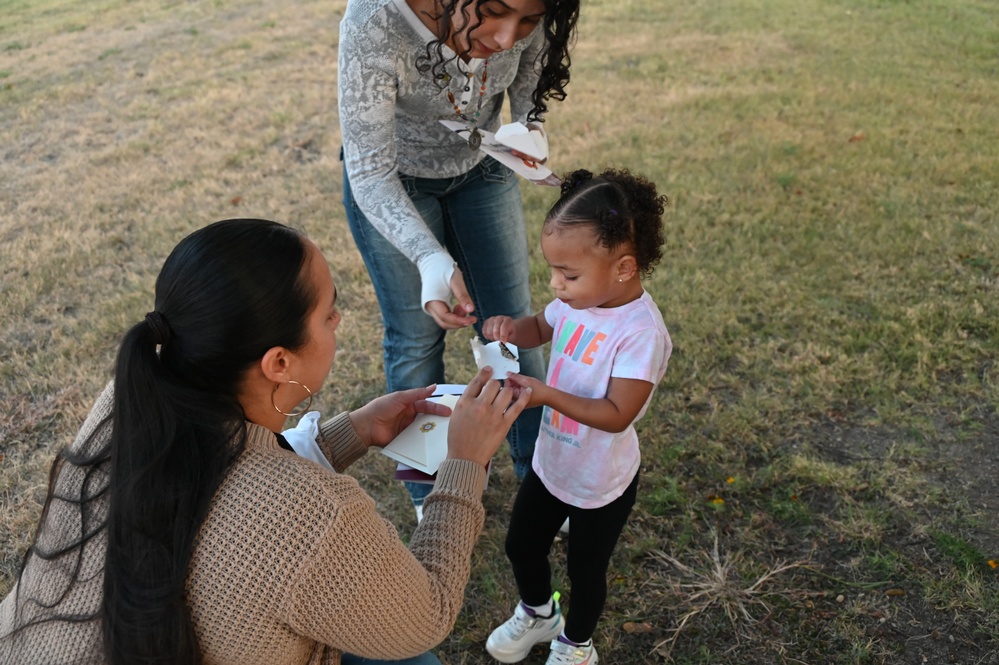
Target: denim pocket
x: 493, y: 171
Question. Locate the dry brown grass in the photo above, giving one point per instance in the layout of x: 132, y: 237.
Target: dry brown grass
x: 830, y: 281
x: 717, y: 582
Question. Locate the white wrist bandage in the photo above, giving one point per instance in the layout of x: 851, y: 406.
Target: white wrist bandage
x: 435, y: 275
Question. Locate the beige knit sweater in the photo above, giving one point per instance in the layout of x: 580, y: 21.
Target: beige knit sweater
x: 292, y: 565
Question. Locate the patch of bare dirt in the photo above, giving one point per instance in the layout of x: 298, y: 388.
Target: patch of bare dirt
x: 951, y: 483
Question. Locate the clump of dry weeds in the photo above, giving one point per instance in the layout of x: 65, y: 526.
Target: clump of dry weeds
x: 714, y: 583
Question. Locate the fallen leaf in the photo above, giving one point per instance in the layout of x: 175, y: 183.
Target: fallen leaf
x: 895, y: 592
x: 859, y: 136
x: 633, y: 627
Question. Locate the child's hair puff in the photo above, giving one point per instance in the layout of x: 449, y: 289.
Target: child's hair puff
x: 622, y: 207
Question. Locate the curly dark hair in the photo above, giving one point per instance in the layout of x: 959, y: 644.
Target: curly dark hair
x: 623, y: 208
x: 560, y: 31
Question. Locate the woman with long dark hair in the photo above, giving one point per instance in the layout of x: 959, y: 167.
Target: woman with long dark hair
x: 180, y: 527
x: 431, y: 215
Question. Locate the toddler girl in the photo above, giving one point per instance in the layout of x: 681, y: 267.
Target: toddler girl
x: 609, y: 350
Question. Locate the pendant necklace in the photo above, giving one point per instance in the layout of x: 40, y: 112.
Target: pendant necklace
x: 474, y: 137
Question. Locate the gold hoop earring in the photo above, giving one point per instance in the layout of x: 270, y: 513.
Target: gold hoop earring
x: 293, y: 414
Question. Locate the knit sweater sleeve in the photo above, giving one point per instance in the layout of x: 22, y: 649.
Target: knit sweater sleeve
x: 363, y: 591
x: 340, y: 443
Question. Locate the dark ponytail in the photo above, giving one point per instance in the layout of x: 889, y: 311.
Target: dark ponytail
x: 226, y: 295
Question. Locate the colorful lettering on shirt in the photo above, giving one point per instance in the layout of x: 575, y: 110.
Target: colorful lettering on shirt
x: 577, y: 333
x: 577, y: 342
x: 553, y: 418
x: 574, y: 341
x: 592, y: 347
x: 564, y: 331
x: 561, y: 423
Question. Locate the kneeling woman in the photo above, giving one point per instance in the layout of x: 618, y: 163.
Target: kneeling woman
x: 180, y: 527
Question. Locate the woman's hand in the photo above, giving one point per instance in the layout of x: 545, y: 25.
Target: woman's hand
x: 460, y: 316
x: 380, y: 420
x: 482, y: 417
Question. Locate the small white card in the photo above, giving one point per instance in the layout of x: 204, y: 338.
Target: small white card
x: 423, y: 445
x: 503, y: 357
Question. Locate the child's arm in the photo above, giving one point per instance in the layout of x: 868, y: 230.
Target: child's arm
x: 613, y: 413
x: 526, y: 332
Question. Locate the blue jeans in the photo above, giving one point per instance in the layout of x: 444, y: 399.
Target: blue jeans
x: 423, y: 659
x: 479, y: 218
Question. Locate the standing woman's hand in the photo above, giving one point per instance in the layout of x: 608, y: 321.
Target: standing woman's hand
x: 460, y: 316
x: 482, y: 417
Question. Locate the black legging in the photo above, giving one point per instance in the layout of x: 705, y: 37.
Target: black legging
x: 536, y: 518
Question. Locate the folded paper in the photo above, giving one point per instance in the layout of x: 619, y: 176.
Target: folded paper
x: 530, y: 142
x: 533, y: 170
x: 423, y: 445
x: 503, y: 357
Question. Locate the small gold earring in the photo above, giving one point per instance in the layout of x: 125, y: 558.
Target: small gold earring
x: 293, y: 414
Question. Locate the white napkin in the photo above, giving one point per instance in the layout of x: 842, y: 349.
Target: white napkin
x: 302, y: 438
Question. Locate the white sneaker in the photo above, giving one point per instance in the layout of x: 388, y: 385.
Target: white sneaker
x: 511, y: 642
x: 566, y: 654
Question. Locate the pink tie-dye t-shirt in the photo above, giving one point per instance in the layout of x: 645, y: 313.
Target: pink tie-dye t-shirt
x: 580, y: 465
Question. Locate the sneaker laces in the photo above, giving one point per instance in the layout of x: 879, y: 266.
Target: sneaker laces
x: 520, y: 623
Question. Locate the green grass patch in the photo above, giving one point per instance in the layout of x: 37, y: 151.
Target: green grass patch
x: 964, y: 554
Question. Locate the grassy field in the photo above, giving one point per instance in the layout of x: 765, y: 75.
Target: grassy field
x: 820, y: 463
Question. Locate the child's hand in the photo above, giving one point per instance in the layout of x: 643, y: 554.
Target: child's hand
x: 500, y: 328
x: 520, y: 383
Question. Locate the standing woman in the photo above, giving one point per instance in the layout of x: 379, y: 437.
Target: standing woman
x: 431, y: 215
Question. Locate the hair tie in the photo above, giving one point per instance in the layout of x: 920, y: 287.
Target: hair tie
x: 159, y: 327
x: 613, y: 212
